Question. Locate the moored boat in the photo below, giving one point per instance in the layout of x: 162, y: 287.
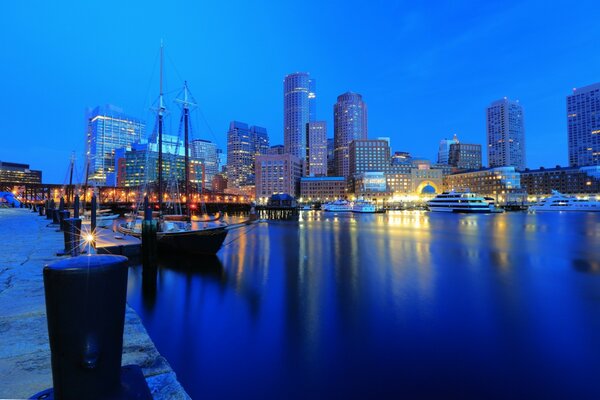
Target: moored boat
x: 461, y: 202
x: 561, y: 202
x: 363, y: 206
x: 337, y: 206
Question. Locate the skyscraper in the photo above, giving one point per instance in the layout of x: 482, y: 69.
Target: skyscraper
x: 349, y: 123
x: 206, y: 152
x: 465, y: 156
x: 299, y: 108
x: 506, y: 134
x: 109, y: 129
x: 444, y: 149
x: 316, y: 157
x: 330, y: 157
x: 244, y: 143
x: 583, y: 124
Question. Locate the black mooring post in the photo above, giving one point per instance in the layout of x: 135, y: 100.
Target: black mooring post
x: 61, y: 204
x: 149, y: 229
x: 72, y: 237
x: 85, y: 308
x: 76, y: 207
x: 62, y: 215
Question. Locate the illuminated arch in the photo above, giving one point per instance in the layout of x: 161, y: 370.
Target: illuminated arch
x: 427, y: 183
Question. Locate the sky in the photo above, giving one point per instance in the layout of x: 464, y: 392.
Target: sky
x: 426, y: 71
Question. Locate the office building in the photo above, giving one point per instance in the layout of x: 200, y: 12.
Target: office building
x: 244, y: 143
x: 18, y: 173
x: 277, y: 149
x: 571, y: 180
x: 330, y: 157
x: 316, y: 151
x: 109, y: 129
x: 322, y: 189
x: 277, y: 174
x: 583, y: 124
x: 444, y: 149
x: 465, y: 156
x: 506, y: 134
x: 207, y: 153
x: 299, y: 108
x: 349, y: 123
x: 368, y: 155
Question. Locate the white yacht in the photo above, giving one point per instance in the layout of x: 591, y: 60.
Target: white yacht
x: 561, y: 202
x: 337, y: 206
x: 363, y: 206
x: 461, y: 202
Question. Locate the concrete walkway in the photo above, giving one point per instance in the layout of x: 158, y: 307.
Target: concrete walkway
x: 26, y: 245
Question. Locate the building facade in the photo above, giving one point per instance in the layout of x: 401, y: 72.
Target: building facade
x: 207, y: 153
x: 444, y: 149
x: 244, y: 143
x: 316, y: 152
x: 276, y: 174
x: 572, y: 180
x: 277, y: 149
x: 18, y: 173
x: 465, y: 156
x: 506, y: 134
x: 109, y: 129
x: 499, y: 183
x: 322, y: 189
x: 299, y: 108
x: 583, y: 124
x: 369, y: 155
x: 350, y: 123
x: 330, y: 157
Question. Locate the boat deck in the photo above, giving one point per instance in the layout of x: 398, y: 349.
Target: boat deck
x: 109, y: 242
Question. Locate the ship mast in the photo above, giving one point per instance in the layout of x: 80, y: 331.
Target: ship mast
x: 186, y: 103
x: 161, y: 112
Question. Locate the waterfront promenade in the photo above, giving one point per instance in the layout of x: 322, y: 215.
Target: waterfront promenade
x: 26, y: 245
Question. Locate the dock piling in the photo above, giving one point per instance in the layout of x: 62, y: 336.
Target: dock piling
x: 149, y: 229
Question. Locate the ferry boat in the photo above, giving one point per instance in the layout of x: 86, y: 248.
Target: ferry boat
x: 461, y: 202
x: 337, y: 206
x: 561, y: 202
x: 363, y: 206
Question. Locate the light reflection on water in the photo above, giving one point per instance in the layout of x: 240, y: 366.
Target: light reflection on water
x: 409, y: 304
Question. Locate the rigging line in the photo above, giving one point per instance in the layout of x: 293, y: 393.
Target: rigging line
x: 241, y: 234
x: 199, y: 110
x: 145, y: 100
x: 174, y: 67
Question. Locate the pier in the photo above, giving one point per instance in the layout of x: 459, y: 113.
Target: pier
x: 26, y: 245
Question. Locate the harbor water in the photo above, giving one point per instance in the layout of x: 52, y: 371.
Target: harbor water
x: 398, y: 305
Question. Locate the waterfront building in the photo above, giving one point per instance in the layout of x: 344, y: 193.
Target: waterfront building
x: 316, y: 152
x: 299, y: 108
x: 499, y: 183
x: 465, y: 156
x: 330, y: 157
x: 426, y: 181
x: 369, y: 155
x: 370, y: 185
x: 444, y: 149
x: 18, y: 173
x: 244, y: 143
x: 399, y: 181
x: 277, y: 149
x: 109, y: 129
x: 322, y: 189
x: 207, y: 153
x: 506, y: 134
x: 571, y: 180
x: 583, y: 124
x: 137, y: 165
x: 219, y: 183
x: 277, y: 174
x: 349, y: 123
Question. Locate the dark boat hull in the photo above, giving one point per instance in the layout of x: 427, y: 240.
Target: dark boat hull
x: 199, y: 242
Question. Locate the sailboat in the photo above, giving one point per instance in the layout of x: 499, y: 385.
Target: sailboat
x: 180, y: 233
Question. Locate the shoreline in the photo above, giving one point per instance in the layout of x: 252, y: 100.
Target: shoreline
x: 26, y: 245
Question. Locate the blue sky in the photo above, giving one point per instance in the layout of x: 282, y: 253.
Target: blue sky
x: 426, y: 71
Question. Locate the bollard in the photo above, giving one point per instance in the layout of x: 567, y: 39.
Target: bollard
x: 93, y: 215
x: 76, y: 207
x: 61, y: 204
x: 41, y: 209
x: 72, y: 236
x: 62, y: 215
x: 34, y: 208
x: 149, y: 229
x: 85, y: 308
x: 56, y: 217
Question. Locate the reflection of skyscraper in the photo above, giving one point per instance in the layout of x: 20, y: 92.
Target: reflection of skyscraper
x: 506, y: 134
x: 583, y: 123
x: 109, y: 129
x: 206, y: 152
x: 244, y: 143
x: 299, y: 108
x: 316, y: 158
x: 350, y: 123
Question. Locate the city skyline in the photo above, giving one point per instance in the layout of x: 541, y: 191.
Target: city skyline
x: 447, y: 63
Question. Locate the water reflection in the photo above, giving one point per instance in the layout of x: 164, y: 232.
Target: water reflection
x: 345, y: 305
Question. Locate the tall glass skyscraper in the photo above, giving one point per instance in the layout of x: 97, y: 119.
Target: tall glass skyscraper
x: 207, y: 152
x: 444, y: 149
x: 316, y: 152
x: 244, y: 143
x: 299, y: 108
x: 506, y: 134
x: 109, y: 129
x: 583, y: 124
x: 349, y: 123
